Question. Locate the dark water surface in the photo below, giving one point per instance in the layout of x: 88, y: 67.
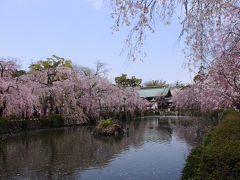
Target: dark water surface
x: 155, y: 148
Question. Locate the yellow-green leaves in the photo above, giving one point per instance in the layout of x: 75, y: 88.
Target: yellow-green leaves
x: 52, y: 62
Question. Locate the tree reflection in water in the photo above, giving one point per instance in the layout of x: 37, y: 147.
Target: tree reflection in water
x: 66, y: 153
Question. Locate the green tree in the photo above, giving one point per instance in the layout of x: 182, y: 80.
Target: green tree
x: 155, y: 83
x: 49, y: 66
x: 124, y: 81
x: 179, y: 85
x: 18, y: 73
x: 52, y: 62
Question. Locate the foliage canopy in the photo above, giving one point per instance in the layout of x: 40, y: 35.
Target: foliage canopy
x: 124, y: 81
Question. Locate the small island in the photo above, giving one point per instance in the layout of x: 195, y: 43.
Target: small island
x: 109, y: 127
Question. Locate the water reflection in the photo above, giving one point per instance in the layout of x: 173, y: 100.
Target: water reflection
x: 155, y: 148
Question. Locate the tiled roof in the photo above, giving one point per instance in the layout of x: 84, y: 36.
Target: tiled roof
x: 153, y: 91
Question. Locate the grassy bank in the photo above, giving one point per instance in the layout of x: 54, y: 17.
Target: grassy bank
x: 219, y: 156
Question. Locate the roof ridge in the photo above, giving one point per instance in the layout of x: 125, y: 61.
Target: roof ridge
x: 155, y: 87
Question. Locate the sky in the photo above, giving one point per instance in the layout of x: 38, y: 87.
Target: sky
x: 80, y: 30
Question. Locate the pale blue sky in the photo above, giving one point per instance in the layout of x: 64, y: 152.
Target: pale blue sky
x: 80, y: 30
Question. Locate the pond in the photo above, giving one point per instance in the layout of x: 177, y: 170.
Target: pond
x: 154, y: 148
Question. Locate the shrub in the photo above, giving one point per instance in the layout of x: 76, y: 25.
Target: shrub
x: 219, y: 156
x: 5, y: 118
x: 104, y: 123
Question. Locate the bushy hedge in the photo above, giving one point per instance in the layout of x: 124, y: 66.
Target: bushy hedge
x: 219, y: 156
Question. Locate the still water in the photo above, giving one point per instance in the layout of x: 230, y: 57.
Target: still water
x: 154, y: 148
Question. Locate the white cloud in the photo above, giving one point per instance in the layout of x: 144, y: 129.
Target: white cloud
x: 97, y: 4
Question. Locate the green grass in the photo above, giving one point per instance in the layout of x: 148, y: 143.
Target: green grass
x: 105, y: 123
x: 219, y: 156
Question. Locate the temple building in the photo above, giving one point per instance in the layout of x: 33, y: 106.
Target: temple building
x: 158, y: 97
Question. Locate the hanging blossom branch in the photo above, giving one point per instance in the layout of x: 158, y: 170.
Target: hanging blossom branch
x: 201, y: 21
x: 220, y: 87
